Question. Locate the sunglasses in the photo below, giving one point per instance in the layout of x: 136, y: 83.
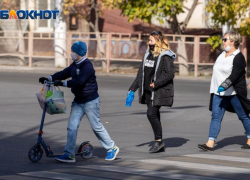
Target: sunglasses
x: 225, y: 39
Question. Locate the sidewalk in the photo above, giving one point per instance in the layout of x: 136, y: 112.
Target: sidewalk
x: 51, y: 70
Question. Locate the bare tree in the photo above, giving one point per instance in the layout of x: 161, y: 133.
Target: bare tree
x: 85, y: 10
x: 179, y: 28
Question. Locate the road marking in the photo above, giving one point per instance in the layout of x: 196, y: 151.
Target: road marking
x: 239, y: 150
x: 200, y: 166
x: 220, y: 157
x: 60, y: 176
x: 144, y: 172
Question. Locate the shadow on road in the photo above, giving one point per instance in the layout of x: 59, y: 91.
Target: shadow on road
x: 186, y: 107
x: 169, y: 142
x: 14, y: 150
x: 144, y: 112
x: 240, y: 140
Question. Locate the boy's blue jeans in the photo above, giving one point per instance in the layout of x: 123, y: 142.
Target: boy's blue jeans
x: 92, y: 110
x: 220, y: 104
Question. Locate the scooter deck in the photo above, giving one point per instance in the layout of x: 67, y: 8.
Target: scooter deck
x: 55, y: 155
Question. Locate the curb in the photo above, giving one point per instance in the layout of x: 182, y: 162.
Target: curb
x: 29, y: 69
x: 49, y: 70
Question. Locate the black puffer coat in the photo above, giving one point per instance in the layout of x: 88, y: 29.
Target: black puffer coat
x: 163, y: 92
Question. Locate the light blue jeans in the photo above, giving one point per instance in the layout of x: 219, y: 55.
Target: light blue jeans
x: 220, y: 103
x: 92, y: 110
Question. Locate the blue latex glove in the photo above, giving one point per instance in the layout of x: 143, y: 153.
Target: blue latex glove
x: 130, y: 98
x: 220, y: 89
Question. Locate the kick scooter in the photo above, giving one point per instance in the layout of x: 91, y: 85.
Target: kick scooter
x: 35, y: 154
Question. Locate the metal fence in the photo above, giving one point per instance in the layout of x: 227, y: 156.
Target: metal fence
x: 106, y: 47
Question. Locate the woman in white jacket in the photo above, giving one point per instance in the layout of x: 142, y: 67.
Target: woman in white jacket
x: 228, y: 89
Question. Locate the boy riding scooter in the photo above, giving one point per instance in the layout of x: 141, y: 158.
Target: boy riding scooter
x: 84, y: 86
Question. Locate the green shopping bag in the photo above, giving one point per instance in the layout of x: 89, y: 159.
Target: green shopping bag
x: 56, y: 103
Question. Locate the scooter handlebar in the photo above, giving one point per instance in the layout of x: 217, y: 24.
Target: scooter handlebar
x: 48, y: 83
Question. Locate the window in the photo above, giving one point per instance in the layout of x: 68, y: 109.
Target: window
x: 45, y: 24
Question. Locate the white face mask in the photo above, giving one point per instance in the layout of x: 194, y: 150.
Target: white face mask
x: 227, y: 49
x: 73, y: 56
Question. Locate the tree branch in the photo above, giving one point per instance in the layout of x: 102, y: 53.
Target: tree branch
x: 189, y: 15
x: 186, y: 8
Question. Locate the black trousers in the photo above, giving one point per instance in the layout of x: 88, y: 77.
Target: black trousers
x: 153, y: 114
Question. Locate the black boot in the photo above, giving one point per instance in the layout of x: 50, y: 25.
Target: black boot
x: 157, y: 146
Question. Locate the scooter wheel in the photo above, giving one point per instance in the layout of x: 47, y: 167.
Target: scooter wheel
x: 35, y: 153
x: 86, y: 150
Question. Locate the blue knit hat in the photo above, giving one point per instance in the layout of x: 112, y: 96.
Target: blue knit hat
x: 79, y: 48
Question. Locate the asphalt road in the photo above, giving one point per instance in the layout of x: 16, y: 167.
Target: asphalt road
x: 184, y: 126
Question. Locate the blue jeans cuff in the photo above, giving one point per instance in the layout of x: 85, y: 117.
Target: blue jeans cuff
x: 212, y: 138
x: 248, y: 136
x: 112, y: 149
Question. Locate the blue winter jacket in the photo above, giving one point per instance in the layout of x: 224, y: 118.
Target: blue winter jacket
x: 83, y: 83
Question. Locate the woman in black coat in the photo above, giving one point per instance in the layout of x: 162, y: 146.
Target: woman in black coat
x: 228, y: 89
x: 155, y: 82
